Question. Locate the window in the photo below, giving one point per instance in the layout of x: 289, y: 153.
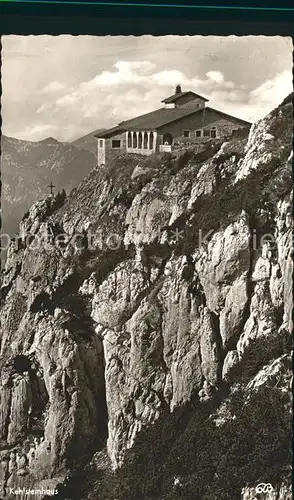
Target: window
x: 145, y: 140
x: 101, y: 143
x: 186, y: 133
x: 213, y: 132
x: 151, y: 140
x: 135, y: 143
x: 115, y: 143
x: 206, y: 132
x: 198, y: 133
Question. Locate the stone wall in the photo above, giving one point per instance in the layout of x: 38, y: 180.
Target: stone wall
x: 185, y: 101
x: 209, y: 118
x: 111, y: 153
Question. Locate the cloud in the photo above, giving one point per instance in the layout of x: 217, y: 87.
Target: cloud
x: 126, y: 72
x: 53, y: 87
x: 257, y: 103
x: 74, y: 85
x: 43, y: 107
x: 169, y: 77
x: 68, y: 99
x: 215, y: 76
x: 38, y: 131
x: 275, y: 89
x: 133, y: 88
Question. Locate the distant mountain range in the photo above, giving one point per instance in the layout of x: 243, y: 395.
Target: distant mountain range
x: 88, y: 142
x: 29, y: 167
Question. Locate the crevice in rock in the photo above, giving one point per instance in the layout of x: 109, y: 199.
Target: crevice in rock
x: 21, y: 364
x: 42, y: 303
x: 200, y: 363
x: 40, y: 400
x: 79, y: 322
x: 250, y: 286
x: 160, y: 331
x: 31, y: 339
x: 8, y: 419
x: 89, y: 262
x: 195, y: 288
x: 32, y: 423
x: 219, y: 344
x: 151, y: 290
x: 99, y: 438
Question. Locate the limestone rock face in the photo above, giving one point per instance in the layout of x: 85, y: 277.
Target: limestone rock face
x: 141, y: 290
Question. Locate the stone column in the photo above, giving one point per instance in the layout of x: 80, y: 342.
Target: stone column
x: 137, y: 133
x: 127, y: 141
x: 154, y: 140
x: 148, y: 141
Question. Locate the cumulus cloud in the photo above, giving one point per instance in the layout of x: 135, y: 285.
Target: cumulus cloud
x: 38, y: 131
x: 168, y: 77
x: 74, y: 85
x: 53, y: 87
x: 251, y: 104
x: 215, y: 76
x: 125, y: 72
x: 133, y: 88
x: 275, y: 89
x: 136, y: 89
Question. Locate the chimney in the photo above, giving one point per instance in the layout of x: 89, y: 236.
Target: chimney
x: 178, y: 89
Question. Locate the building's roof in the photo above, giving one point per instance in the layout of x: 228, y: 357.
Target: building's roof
x: 226, y: 115
x: 175, y: 97
x: 158, y: 118
x: 149, y: 121
x: 109, y: 132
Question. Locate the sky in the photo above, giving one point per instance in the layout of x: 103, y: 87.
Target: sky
x: 68, y: 86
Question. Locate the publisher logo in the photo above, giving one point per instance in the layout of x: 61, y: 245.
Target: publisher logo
x: 264, y: 488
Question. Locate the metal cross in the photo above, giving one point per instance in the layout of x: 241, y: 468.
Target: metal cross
x: 51, y: 186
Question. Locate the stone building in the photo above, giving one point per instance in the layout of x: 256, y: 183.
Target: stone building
x: 184, y: 119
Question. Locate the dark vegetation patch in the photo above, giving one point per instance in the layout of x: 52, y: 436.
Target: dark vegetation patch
x: 208, y: 152
x: 212, y: 462
x: 259, y: 353
x: 120, y: 168
x: 287, y: 100
x: 42, y: 303
x: 216, y: 211
x: 240, y: 133
x: 281, y: 123
x: 79, y: 324
x: 227, y: 156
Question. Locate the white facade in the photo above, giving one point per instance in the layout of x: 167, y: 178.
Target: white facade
x: 100, y: 152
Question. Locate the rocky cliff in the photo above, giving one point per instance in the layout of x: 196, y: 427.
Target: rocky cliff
x: 159, y: 293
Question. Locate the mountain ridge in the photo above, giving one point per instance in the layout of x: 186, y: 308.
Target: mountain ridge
x: 28, y: 167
